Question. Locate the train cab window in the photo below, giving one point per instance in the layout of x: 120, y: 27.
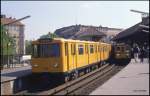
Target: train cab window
x: 118, y: 49
x: 53, y: 50
x: 80, y: 49
x: 91, y: 49
x: 46, y: 50
x: 122, y: 48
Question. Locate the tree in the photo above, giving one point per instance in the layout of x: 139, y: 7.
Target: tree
x: 28, y: 47
x: 7, y: 43
x: 49, y: 35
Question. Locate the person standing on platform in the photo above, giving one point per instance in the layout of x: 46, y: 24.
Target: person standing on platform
x: 136, y: 52
x: 147, y: 53
x: 142, y: 52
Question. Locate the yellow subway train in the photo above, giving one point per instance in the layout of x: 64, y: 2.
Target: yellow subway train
x: 65, y: 59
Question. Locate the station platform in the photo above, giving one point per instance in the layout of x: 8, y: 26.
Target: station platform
x: 14, y: 79
x: 132, y: 80
x: 14, y: 73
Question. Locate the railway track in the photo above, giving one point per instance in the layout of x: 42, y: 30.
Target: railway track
x: 72, y: 86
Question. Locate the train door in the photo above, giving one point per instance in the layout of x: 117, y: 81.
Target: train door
x: 104, y: 52
x: 101, y: 53
x: 86, y: 54
x: 72, y: 56
x: 66, y: 56
x: 98, y: 52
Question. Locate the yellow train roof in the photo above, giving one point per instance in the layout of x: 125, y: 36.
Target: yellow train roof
x: 67, y: 40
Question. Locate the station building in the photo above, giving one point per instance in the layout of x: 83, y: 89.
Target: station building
x: 16, y: 31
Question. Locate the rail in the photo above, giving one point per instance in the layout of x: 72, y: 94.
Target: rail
x: 77, y: 83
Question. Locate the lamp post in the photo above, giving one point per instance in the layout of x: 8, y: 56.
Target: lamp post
x: 8, y: 44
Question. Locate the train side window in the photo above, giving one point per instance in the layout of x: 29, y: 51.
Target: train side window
x: 80, y: 49
x: 66, y: 49
x: 91, y: 49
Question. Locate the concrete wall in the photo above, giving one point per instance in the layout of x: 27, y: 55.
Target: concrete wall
x: 14, y: 86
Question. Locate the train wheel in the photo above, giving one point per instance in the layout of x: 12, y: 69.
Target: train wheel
x: 88, y: 70
x: 96, y: 66
x: 66, y: 78
x: 76, y: 74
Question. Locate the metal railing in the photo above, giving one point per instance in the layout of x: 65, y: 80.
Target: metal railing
x: 11, y: 61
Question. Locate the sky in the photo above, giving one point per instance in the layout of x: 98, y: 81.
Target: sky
x: 47, y: 16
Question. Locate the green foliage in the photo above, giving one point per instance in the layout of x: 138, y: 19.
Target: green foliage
x: 28, y: 47
x: 49, y: 35
x: 7, y: 43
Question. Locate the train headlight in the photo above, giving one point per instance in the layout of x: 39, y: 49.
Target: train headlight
x: 117, y: 54
x: 55, y: 65
x: 35, y: 65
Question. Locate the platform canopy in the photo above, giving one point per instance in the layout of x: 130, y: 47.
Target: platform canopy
x: 137, y: 33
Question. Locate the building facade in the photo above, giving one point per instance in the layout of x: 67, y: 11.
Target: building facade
x: 16, y: 31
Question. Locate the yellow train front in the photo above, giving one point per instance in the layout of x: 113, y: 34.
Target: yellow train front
x: 67, y: 59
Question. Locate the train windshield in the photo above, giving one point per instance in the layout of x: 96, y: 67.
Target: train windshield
x: 46, y: 50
